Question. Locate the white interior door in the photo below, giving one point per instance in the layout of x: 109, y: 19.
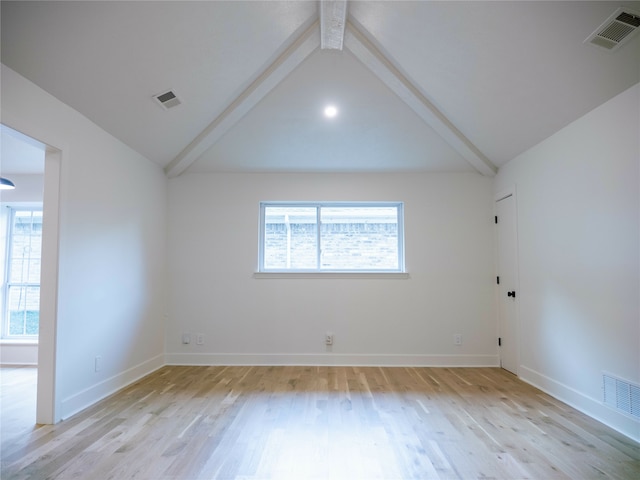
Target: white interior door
x: 507, y: 286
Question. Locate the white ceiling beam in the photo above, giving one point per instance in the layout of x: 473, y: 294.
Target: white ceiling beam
x: 282, y: 66
x: 378, y: 63
x: 333, y: 19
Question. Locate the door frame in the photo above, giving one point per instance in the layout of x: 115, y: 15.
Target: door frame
x: 48, y: 401
x: 47, y: 394
x: 501, y: 195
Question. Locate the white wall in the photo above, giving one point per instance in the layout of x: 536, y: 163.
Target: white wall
x: 28, y: 193
x: 213, y: 245
x: 111, y: 279
x: 579, y: 252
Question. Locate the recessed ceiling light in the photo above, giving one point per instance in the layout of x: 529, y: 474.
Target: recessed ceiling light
x: 330, y: 111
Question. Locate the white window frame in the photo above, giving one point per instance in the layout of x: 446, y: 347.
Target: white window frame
x: 265, y: 272
x: 6, y: 284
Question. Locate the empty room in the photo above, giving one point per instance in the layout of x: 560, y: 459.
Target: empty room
x: 320, y: 240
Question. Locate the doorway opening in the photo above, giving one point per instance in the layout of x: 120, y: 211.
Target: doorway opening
x: 29, y: 246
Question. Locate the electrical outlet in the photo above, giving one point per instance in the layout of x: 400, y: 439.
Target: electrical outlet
x: 97, y: 363
x: 457, y: 339
x: 200, y: 339
x: 186, y: 338
x: 328, y: 339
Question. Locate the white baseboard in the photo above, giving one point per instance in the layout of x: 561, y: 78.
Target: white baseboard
x: 584, y: 403
x: 87, y: 397
x: 332, y: 359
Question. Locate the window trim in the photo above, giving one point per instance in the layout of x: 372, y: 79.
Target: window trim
x: 297, y: 274
x: 263, y: 272
x: 5, y: 337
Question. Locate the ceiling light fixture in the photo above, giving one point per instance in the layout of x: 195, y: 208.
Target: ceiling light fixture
x: 6, y: 184
x: 330, y: 111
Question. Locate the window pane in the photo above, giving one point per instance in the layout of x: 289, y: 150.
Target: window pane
x: 290, y: 238
x: 26, y: 247
x: 22, y: 306
x: 359, y: 238
x: 24, y: 310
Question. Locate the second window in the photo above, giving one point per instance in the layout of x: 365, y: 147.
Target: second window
x: 331, y: 236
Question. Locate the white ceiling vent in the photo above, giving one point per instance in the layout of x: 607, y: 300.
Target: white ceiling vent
x: 616, y: 30
x: 167, y: 99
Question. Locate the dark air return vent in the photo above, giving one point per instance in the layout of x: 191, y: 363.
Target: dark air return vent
x: 617, y: 30
x: 167, y: 99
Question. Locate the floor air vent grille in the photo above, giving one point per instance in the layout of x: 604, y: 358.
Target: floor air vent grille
x: 622, y: 395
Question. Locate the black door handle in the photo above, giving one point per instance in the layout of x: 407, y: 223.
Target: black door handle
x: 511, y: 294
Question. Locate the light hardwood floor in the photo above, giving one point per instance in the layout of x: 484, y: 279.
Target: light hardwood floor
x: 317, y: 423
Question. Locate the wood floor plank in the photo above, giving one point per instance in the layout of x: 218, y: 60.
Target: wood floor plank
x: 260, y: 423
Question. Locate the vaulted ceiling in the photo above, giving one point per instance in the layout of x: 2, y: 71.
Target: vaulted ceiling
x: 419, y: 85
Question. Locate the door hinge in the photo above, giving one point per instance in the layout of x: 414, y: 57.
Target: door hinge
x: 498, y: 280
x: 496, y: 218
x: 499, y: 341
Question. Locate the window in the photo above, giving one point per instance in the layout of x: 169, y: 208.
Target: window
x: 331, y: 237
x: 21, y: 292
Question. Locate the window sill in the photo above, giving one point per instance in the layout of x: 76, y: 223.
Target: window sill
x: 18, y: 342
x: 343, y: 275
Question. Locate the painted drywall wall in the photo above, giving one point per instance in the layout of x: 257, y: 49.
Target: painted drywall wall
x: 213, y: 249
x: 578, y: 240
x: 17, y: 352
x: 28, y: 193
x: 112, y: 224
